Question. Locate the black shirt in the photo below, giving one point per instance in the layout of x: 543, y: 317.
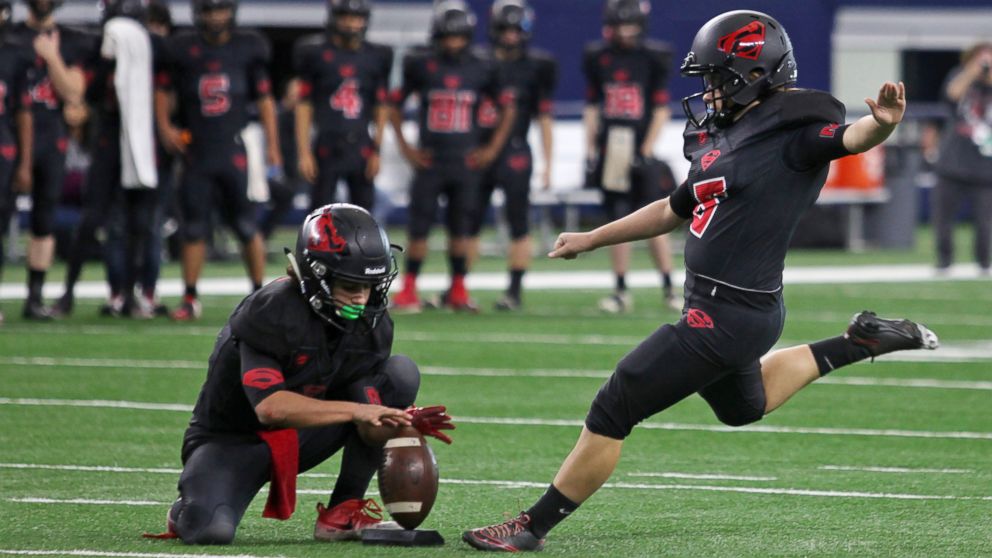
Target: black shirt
x: 532, y: 78
x: 966, y: 146
x: 16, y: 72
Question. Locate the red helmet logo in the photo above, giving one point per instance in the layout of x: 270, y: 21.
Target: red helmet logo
x: 324, y: 235
x: 746, y: 42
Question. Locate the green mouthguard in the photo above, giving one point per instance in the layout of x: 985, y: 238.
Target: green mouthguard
x: 351, y: 311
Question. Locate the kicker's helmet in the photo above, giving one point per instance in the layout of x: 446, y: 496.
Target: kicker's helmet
x: 343, y: 242
x: 337, y: 8
x: 510, y: 14
x: 741, y: 56
x: 452, y: 17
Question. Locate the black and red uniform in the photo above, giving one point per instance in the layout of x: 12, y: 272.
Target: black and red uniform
x: 50, y: 140
x: 450, y: 89
x: 214, y: 84
x: 748, y: 186
x: 274, y: 341
x: 16, y: 67
x: 627, y: 85
x: 344, y: 87
x: 532, y: 77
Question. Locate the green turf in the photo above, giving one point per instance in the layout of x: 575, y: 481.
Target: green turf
x: 89, y: 358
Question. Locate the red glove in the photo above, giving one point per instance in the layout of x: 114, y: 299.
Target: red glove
x: 430, y: 421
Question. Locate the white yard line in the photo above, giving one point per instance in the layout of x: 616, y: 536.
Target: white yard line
x: 555, y: 280
x: 87, y: 501
x: 109, y: 554
x: 894, y: 470
x: 703, y: 476
x: 512, y: 421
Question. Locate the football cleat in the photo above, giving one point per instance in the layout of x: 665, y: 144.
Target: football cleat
x: 114, y: 307
x: 36, y: 311
x: 881, y: 336
x: 457, y: 299
x: 509, y: 303
x: 347, y: 520
x: 512, y: 535
x: 619, y: 302
x: 406, y: 301
x: 188, y: 310
x: 63, y: 306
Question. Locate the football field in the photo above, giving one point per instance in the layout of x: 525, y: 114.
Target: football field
x: 891, y: 458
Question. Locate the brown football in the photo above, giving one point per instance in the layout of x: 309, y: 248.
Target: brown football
x: 408, y: 478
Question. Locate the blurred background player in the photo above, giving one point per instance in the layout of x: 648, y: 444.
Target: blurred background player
x: 626, y: 108
x: 532, y: 75
x: 58, y: 80
x: 215, y: 70
x: 344, y: 80
x: 450, y: 82
x: 120, y: 194
x: 964, y: 163
x: 16, y: 65
x: 277, y: 401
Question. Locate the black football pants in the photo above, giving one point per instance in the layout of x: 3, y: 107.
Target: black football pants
x: 713, y: 350
x: 223, y: 474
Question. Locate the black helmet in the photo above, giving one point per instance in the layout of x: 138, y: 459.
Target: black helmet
x: 41, y: 10
x: 201, y: 7
x: 343, y: 241
x: 626, y: 12
x: 337, y: 8
x: 134, y: 9
x: 742, y: 55
x: 510, y: 14
x: 6, y: 15
x: 452, y: 17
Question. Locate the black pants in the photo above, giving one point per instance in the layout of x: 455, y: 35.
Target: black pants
x: 947, y: 197
x: 713, y: 350
x: 8, y: 160
x: 338, y: 159
x: 217, y: 179
x: 511, y: 172
x: 222, y: 473
x: 459, y: 185
x: 48, y: 173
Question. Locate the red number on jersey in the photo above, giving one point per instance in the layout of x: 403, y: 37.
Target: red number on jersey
x: 347, y: 100
x: 215, y: 98
x: 450, y: 111
x: 43, y: 92
x: 623, y: 100
x: 708, y: 192
x: 488, y: 113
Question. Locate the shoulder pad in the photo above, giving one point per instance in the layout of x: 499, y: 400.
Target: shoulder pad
x: 275, y: 318
x: 253, y: 40
x: 802, y: 106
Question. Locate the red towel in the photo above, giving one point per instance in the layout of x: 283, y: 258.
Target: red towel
x: 285, y: 448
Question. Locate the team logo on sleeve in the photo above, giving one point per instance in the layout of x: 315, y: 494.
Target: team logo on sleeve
x: 746, y: 42
x: 709, y: 158
x: 829, y: 131
x: 262, y: 378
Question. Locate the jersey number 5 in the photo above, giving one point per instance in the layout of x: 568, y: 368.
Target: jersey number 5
x: 708, y: 193
x: 450, y: 111
x: 347, y: 100
x: 215, y: 98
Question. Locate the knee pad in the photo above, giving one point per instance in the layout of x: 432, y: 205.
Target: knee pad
x: 404, y: 381
x: 196, y: 524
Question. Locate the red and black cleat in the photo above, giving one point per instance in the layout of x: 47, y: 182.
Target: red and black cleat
x: 880, y: 335
x: 510, y: 536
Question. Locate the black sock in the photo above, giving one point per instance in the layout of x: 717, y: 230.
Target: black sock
x: 458, y: 264
x: 621, y: 282
x: 835, y: 352
x: 550, y: 509
x: 516, y: 282
x: 666, y: 282
x: 255, y: 286
x: 358, y: 465
x: 413, y: 267
x: 36, y: 280
x: 191, y: 291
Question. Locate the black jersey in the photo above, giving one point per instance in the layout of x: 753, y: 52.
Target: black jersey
x: 626, y: 84
x: 343, y: 85
x: 292, y: 349
x: 76, y: 48
x: 532, y: 78
x: 752, y: 181
x: 214, y: 84
x: 16, y: 71
x: 450, y: 90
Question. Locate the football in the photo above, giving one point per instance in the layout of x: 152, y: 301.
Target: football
x: 408, y: 478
